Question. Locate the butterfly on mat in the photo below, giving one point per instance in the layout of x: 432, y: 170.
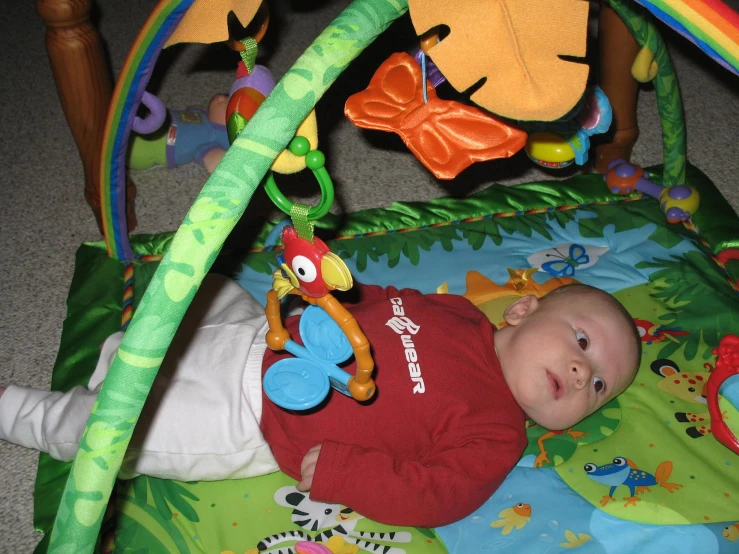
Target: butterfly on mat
x: 564, y: 260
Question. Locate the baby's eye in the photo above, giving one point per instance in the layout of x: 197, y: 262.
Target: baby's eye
x: 599, y: 384
x: 582, y: 340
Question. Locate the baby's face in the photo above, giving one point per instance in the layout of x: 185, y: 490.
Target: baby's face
x: 563, y: 359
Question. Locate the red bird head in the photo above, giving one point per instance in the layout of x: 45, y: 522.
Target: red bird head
x: 651, y: 333
x: 311, y: 266
x: 647, y: 330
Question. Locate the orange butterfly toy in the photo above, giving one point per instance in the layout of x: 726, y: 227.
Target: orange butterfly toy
x: 446, y: 136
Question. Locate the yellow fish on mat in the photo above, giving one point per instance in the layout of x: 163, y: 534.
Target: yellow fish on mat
x: 731, y: 532
x: 516, y: 516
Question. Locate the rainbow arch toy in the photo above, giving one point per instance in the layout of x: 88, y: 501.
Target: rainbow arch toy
x: 710, y: 24
x: 135, y: 75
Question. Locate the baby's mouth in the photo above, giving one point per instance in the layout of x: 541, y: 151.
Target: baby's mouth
x: 556, y: 385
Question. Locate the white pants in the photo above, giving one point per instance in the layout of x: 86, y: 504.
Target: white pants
x: 201, y: 419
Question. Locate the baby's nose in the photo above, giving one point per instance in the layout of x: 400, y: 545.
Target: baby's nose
x: 580, y: 374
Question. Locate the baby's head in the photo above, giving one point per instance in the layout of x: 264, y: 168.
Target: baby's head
x: 567, y: 354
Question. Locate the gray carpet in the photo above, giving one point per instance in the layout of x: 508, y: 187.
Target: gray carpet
x: 43, y: 217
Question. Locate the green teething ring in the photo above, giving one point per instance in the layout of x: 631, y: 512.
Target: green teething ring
x: 315, y: 161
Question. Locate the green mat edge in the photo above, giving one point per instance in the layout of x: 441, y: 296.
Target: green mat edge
x: 718, y: 226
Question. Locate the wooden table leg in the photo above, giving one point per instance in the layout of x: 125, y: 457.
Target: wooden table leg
x: 84, y: 84
x: 618, y: 49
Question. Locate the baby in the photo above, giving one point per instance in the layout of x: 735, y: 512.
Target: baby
x: 445, y: 427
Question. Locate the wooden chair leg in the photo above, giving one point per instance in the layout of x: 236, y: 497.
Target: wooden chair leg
x: 84, y: 84
x: 618, y: 49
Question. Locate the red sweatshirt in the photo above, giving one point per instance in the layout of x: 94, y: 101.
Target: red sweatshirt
x: 442, y: 432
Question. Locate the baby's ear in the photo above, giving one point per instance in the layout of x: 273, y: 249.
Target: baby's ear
x: 520, y: 309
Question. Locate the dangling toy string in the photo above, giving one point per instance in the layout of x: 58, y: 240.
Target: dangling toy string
x: 423, y: 75
x: 249, y: 54
x: 428, y: 40
x: 299, y: 216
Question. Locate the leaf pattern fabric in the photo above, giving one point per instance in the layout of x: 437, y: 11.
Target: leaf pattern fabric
x: 516, y: 47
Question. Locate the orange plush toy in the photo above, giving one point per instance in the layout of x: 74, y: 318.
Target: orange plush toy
x: 446, y: 136
x: 520, y: 52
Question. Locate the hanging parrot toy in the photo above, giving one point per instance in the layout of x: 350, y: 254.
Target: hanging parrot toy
x: 309, y: 267
x: 329, y: 331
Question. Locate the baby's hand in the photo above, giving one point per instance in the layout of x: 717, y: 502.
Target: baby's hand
x: 308, y: 468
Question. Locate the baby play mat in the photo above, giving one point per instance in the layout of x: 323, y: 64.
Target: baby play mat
x: 644, y: 473
x: 676, y: 487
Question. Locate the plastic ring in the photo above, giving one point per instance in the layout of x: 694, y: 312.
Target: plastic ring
x: 429, y: 39
x: 316, y: 165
